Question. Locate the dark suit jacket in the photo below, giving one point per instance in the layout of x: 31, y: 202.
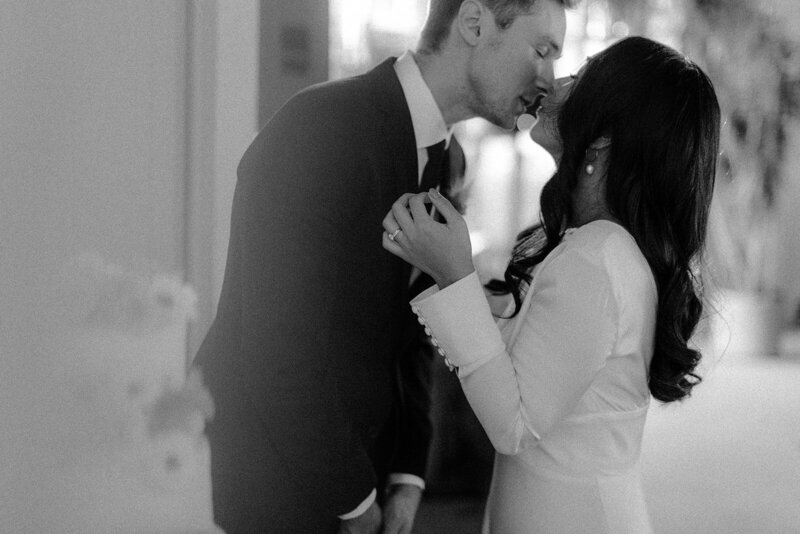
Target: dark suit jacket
x: 319, y: 372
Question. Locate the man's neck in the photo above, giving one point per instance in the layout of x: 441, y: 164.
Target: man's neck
x: 445, y: 78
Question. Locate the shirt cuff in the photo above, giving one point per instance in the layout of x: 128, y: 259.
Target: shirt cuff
x: 460, y: 323
x: 363, y: 507
x: 406, y: 478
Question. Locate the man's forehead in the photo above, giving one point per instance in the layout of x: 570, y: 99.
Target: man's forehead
x: 549, y: 15
x: 548, y: 31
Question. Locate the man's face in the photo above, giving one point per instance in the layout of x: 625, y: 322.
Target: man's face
x: 513, y: 68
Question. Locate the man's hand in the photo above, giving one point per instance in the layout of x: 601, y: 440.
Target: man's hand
x: 367, y: 523
x: 401, y: 508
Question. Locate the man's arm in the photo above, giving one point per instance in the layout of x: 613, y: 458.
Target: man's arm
x: 288, y: 214
x: 416, y: 430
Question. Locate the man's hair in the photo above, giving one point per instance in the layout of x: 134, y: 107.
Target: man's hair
x: 442, y: 12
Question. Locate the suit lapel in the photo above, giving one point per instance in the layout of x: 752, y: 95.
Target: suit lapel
x: 396, y: 131
x: 396, y: 147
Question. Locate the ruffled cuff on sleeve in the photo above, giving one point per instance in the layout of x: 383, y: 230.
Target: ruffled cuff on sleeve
x: 460, y: 323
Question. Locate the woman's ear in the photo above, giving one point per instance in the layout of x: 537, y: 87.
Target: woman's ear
x: 600, y: 143
x: 469, y: 19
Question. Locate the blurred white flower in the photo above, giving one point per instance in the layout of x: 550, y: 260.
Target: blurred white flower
x: 104, y: 294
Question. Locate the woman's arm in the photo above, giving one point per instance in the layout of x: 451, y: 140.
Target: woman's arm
x: 519, y: 392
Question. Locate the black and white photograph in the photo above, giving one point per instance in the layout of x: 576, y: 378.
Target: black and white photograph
x: 400, y: 267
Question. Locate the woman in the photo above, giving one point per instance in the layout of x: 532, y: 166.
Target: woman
x: 604, y: 293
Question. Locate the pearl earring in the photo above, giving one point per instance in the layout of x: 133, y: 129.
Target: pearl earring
x: 591, y: 156
x: 591, y: 153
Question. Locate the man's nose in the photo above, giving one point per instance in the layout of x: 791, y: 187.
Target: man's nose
x: 547, y: 76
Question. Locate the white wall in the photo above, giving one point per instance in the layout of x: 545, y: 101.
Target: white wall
x: 222, y: 119
x: 122, y: 123
x: 789, y: 225
x: 93, y: 159
x: 236, y: 75
x: 237, y: 112
x: 92, y: 137
x: 277, y: 82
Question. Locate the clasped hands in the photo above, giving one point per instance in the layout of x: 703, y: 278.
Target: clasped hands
x: 441, y: 249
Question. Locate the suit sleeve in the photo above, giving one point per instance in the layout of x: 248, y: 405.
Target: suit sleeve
x: 288, y: 218
x: 415, y: 429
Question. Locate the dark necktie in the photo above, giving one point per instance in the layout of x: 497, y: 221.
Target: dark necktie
x: 436, y: 175
x: 436, y: 172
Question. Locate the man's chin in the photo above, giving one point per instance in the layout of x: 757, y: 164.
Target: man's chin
x: 498, y: 117
x: 508, y: 123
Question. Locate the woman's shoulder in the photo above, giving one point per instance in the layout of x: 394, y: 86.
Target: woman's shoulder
x: 613, y: 248
x: 601, y: 239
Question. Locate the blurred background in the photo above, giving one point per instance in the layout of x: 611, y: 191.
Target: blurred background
x: 122, y: 122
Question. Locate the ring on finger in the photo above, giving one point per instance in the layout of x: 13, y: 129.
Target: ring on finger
x: 394, y: 234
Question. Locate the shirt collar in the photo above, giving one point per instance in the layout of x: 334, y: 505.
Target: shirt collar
x: 429, y: 125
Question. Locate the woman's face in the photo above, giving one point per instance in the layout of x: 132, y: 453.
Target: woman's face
x: 545, y: 132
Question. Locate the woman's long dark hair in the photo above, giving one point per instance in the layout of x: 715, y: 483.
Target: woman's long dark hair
x: 662, y: 116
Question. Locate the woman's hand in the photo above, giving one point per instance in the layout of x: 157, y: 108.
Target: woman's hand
x: 442, y: 250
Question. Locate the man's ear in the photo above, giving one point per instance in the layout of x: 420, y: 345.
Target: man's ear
x: 469, y: 19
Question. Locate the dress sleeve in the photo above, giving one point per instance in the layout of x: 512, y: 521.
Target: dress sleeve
x: 519, y: 392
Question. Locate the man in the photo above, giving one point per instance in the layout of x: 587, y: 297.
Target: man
x: 319, y: 371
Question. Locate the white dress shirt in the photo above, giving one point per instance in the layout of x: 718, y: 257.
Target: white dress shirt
x: 429, y: 129
x: 429, y: 125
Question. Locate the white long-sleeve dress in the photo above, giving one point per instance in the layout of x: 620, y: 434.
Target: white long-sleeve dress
x: 561, y: 388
